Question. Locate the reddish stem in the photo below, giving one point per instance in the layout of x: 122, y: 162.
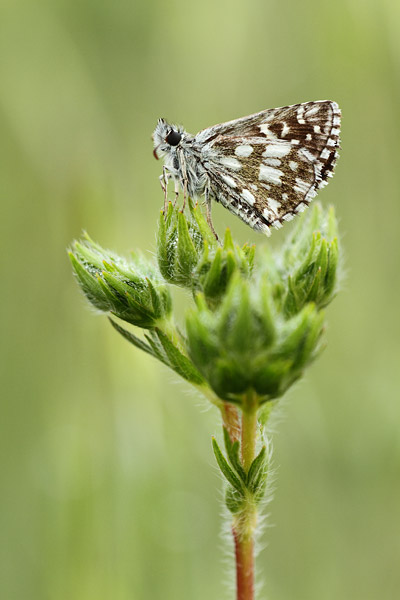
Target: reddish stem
x: 231, y: 421
x: 244, y: 553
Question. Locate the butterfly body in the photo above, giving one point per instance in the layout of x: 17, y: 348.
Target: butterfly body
x: 264, y: 168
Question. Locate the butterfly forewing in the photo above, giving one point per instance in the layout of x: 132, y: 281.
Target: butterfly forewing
x: 268, y: 166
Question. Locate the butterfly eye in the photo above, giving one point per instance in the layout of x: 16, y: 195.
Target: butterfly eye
x: 173, y: 138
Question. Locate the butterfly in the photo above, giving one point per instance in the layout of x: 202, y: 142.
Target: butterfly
x: 265, y: 168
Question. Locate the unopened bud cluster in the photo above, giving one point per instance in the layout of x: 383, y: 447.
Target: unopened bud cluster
x: 256, y: 322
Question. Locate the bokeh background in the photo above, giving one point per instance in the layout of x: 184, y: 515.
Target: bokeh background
x: 108, y: 484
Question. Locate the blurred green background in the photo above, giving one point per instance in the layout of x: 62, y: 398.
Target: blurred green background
x: 108, y: 484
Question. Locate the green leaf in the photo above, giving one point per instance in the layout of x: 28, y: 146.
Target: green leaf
x: 258, y: 465
x: 225, y: 468
x: 132, y: 338
x: 155, y: 299
x: 178, y: 361
x: 234, y: 500
x: 232, y: 450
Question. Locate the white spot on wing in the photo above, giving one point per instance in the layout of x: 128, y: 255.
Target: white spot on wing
x: 313, y: 110
x: 230, y: 162
x: 265, y: 129
x: 301, y: 186
x: 229, y: 180
x: 293, y: 165
x: 325, y: 154
x: 276, y: 150
x: 248, y: 196
x: 243, y: 150
x: 285, y: 129
x: 309, y: 155
x: 273, y: 162
x: 274, y: 205
x: 300, y: 115
x: 270, y: 174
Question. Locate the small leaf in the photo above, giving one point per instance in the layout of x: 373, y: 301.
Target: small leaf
x: 234, y: 500
x: 256, y: 467
x: 132, y: 338
x: 232, y: 450
x: 178, y: 361
x: 225, y: 468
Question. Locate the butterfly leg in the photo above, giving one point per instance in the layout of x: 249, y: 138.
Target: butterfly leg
x: 184, y: 180
x: 176, y: 189
x: 208, y: 213
x: 164, y: 186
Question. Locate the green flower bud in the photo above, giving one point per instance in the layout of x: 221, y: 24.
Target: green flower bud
x: 131, y: 290
x: 310, y: 261
x: 190, y: 256
x: 247, y: 344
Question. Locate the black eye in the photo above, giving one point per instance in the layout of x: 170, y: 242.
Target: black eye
x: 173, y: 138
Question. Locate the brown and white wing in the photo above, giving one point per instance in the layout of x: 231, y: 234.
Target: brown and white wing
x: 267, y: 167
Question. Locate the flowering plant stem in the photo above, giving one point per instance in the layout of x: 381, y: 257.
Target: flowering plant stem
x: 244, y: 525
x: 253, y: 328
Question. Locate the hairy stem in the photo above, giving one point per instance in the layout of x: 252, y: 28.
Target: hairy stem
x: 249, y: 430
x: 244, y: 556
x: 230, y: 419
x: 245, y: 521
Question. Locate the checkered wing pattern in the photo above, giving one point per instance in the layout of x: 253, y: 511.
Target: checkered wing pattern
x: 268, y: 166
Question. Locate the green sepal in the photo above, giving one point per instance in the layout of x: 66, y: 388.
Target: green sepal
x: 213, y: 283
x: 162, y: 251
x: 203, y: 227
x: 89, y: 284
x: 331, y: 273
x: 187, y: 255
x: 228, y: 241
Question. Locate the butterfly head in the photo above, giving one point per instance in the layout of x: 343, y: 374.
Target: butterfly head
x: 166, y: 138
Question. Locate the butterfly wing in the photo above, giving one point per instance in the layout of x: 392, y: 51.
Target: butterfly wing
x: 268, y: 166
